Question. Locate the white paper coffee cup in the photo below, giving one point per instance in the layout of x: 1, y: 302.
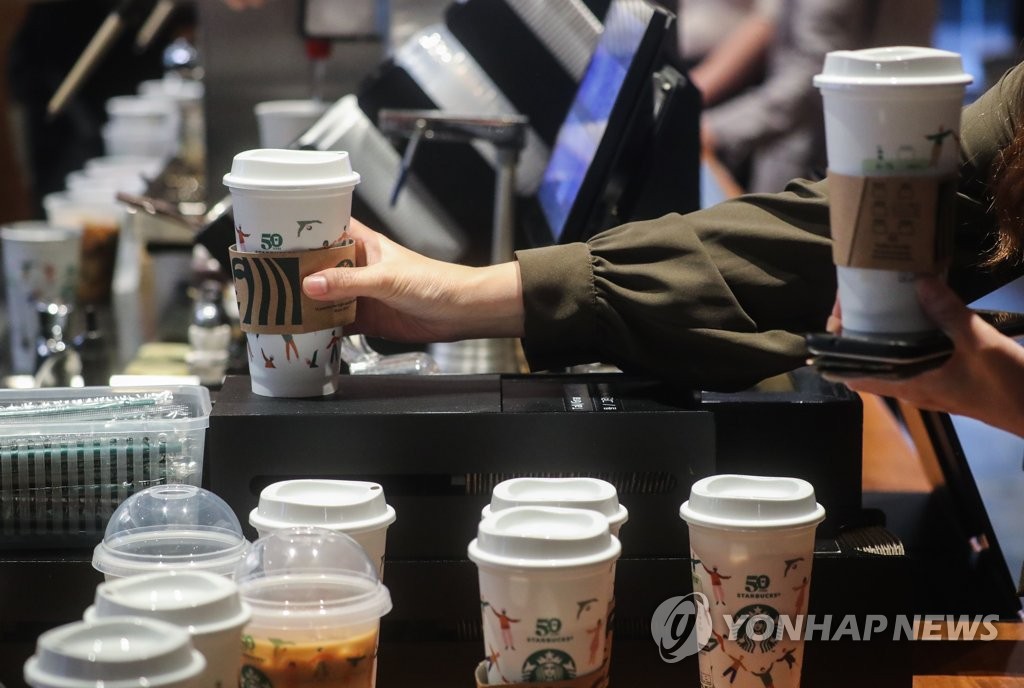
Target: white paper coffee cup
x: 571, y: 493
x: 354, y: 507
x: 206, y: 605
x: 890, y: 112
x: 547, y: 578
x: 280, y: 122
x: 118, y: 651
x: 751, y: 547
x: 289, y: 200
x: 41, y: 264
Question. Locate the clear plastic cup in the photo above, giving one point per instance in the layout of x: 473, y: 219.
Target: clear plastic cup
x: 119, y: 652
x: 208, y: 606
x: 547, y: 578
x: 99, y: 218
x: 171, y: 527
x: 354, y: 507
x: 317, y: 603
x: 571, y: 493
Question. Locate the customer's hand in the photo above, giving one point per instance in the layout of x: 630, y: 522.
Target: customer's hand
x: 984, y: 378
x: 407, y: 297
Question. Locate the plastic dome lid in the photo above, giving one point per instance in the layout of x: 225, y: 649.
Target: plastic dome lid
x: 311, y: 577
x: 892, y: 66
x: 747, y: 502
x: 351, y: 506
x: 274, y: 168
x: 544, y: 538
x: 171, y: 527
x: 119, y: 652
x: 202, y: 602
x: 576, y: 493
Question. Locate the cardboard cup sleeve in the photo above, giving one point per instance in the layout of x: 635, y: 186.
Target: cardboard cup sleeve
x: 902, y: 223
x: 268, y: 286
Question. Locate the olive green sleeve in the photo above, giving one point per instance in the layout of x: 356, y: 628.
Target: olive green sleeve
x: 715, y: 298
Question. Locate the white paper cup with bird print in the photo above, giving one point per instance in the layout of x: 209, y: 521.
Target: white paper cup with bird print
x: 297, y: 203
x: 547, y: 577
x: 751, y: 550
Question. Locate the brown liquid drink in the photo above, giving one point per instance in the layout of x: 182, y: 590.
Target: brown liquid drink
x: 316, y: 601
x: 328, y: 664
x: 99, y: 250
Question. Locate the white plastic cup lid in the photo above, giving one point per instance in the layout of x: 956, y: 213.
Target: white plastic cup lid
x: 311, y: 577
x: 892, y: 66
x: 351, y: 506
x: 171, y: 527
x: 575, y: 493
x: 296, y: 107
x: 747, y: 502
x: 119, y: 652
x: 202, y: 602
x: 274, y: 168
x: 535, y: 537
x: 140, y: 106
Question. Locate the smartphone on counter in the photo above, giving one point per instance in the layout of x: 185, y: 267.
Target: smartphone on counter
x: 894, y: 358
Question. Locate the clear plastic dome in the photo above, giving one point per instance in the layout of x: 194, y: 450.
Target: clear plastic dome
x: 309, y: 577
x: 171, y: 527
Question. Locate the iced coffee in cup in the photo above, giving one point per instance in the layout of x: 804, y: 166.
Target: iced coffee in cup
x: 354, y: 507
x: 892, y: 126
x: 571, y: 493
x: 547, y: 577
x: 317, y: 603
x: 751, y: 549
x: 291, y: 212
x: 206, y: 605
x: 115, y: 652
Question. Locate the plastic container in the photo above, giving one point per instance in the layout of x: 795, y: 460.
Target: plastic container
x: 70, y: 456
x: 170, y: 527
x: 316, y: 602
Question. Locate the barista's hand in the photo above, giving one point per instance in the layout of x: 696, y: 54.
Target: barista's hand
x: 407, y: 297
x: 984, y: 378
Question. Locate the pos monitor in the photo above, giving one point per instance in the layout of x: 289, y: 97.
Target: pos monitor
x: 629, y: 146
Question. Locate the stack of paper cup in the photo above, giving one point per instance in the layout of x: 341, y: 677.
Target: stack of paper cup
x: 115, y: 652
x: 353, y: 507
x: 547, y: 577
x: 141, y: 125
x: 206, y: 605
x: 751, y: 547
x: 892, y: 123
x: 571, y: 493
x: 290, y: 200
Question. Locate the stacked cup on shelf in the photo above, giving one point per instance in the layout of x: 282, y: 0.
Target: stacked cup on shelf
x: 546, y: 550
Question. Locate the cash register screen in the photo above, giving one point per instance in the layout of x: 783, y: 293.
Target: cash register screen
x: 601, y: 114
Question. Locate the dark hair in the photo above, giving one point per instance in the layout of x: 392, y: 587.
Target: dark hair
x: 1007, y: 184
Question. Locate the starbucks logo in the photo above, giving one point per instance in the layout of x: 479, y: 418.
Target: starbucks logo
x: 756, y: 628
x: 548, y: 665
